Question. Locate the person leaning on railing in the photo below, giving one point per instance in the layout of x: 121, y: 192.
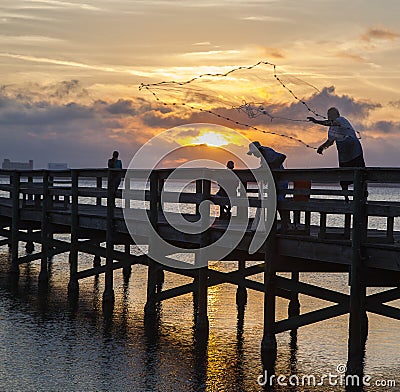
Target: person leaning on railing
x: 274, y: 160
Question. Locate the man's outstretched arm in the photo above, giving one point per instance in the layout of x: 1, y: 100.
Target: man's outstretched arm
x: 325, y: 145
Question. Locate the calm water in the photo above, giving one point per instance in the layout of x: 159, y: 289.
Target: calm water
x: 49, y: 345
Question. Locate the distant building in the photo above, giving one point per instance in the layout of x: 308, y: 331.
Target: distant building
x: 57, y: 166
x: 7, y: 164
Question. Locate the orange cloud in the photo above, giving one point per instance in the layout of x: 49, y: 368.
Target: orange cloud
x: 271, y: 52
x: 379, y: 34
x: 351, y: 56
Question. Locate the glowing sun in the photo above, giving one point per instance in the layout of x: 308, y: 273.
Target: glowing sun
x: 210, y: 138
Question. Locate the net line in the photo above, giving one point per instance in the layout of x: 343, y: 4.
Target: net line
x: 252, y: 110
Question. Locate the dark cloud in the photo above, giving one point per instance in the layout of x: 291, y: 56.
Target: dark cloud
x: 385, y: 127
x: 395, y: 104
x: 80, y: 134
x: 61, y: 92
x: 346, y: 104
x: 68, y: 89
x: 122, y: 106
x: 188, y: 132
x: 35, y: 125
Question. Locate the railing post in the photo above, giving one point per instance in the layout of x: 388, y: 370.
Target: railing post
x: 127, y: 188
x: 73, y: 285
x: 242, y: 210
x: 43, y: 275
x: 152, y: 271
x: 347, y: 226
x: 108, y: 295
x: 307, y: 222
x: 99, y: 185
x: 390, y: 229
x: 202, y: 323
x: 199, y: 191
x: 15, y: 186
x: 322, y: 226
x: 29, y: 246
x: 30, y: 185
x: 161, y: 183
x: 358, y: 318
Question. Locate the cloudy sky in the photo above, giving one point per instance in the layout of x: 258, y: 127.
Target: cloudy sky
x: 71, y: 71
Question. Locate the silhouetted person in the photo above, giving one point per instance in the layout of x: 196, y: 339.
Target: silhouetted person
x: 225, y: 184
x: 274, y: 160
x: 350, y: 153
x: 115, y: 163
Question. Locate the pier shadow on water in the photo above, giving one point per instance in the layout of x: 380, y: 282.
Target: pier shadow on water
x: 53, y: 343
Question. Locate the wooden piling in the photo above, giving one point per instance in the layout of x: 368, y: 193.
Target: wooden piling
x: 108, y: 294
x: 73, y: 285
x: 44, y: 231
x: 15, y: 186
x: 127, y: 269
x: 29, y: 246
x: 294, y: 303
x: 99, y: 185
x: 241, y: 292
x: 202, y: 323
x: 357, y: 288
x: 97, y: 260
x: 150, y: 309
x: 268, y: 344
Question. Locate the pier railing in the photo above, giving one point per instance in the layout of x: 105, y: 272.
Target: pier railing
x: 313, y: 197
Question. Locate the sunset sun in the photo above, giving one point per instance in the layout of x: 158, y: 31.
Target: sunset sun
x: 213, y: 139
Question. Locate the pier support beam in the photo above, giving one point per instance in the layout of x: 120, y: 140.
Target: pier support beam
x: 108, y: 295
x: 29, y: 246
x: 268, y: 344
x: 241, y: 292
x: 97, y: 260
x: 152, y: 271
x: 15, y: 183
x: 43, y: 275
x: 73, y: 285
x: 294, y: 304
x: 160, y: 279
x: 202, y: 323
x: 358, y: 318
x: 150, y: 307
x: 127, y: 269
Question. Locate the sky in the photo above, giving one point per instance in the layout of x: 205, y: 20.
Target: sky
x: 71, y: 72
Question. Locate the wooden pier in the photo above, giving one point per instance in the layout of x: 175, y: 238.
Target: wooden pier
x: 37, y: 206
